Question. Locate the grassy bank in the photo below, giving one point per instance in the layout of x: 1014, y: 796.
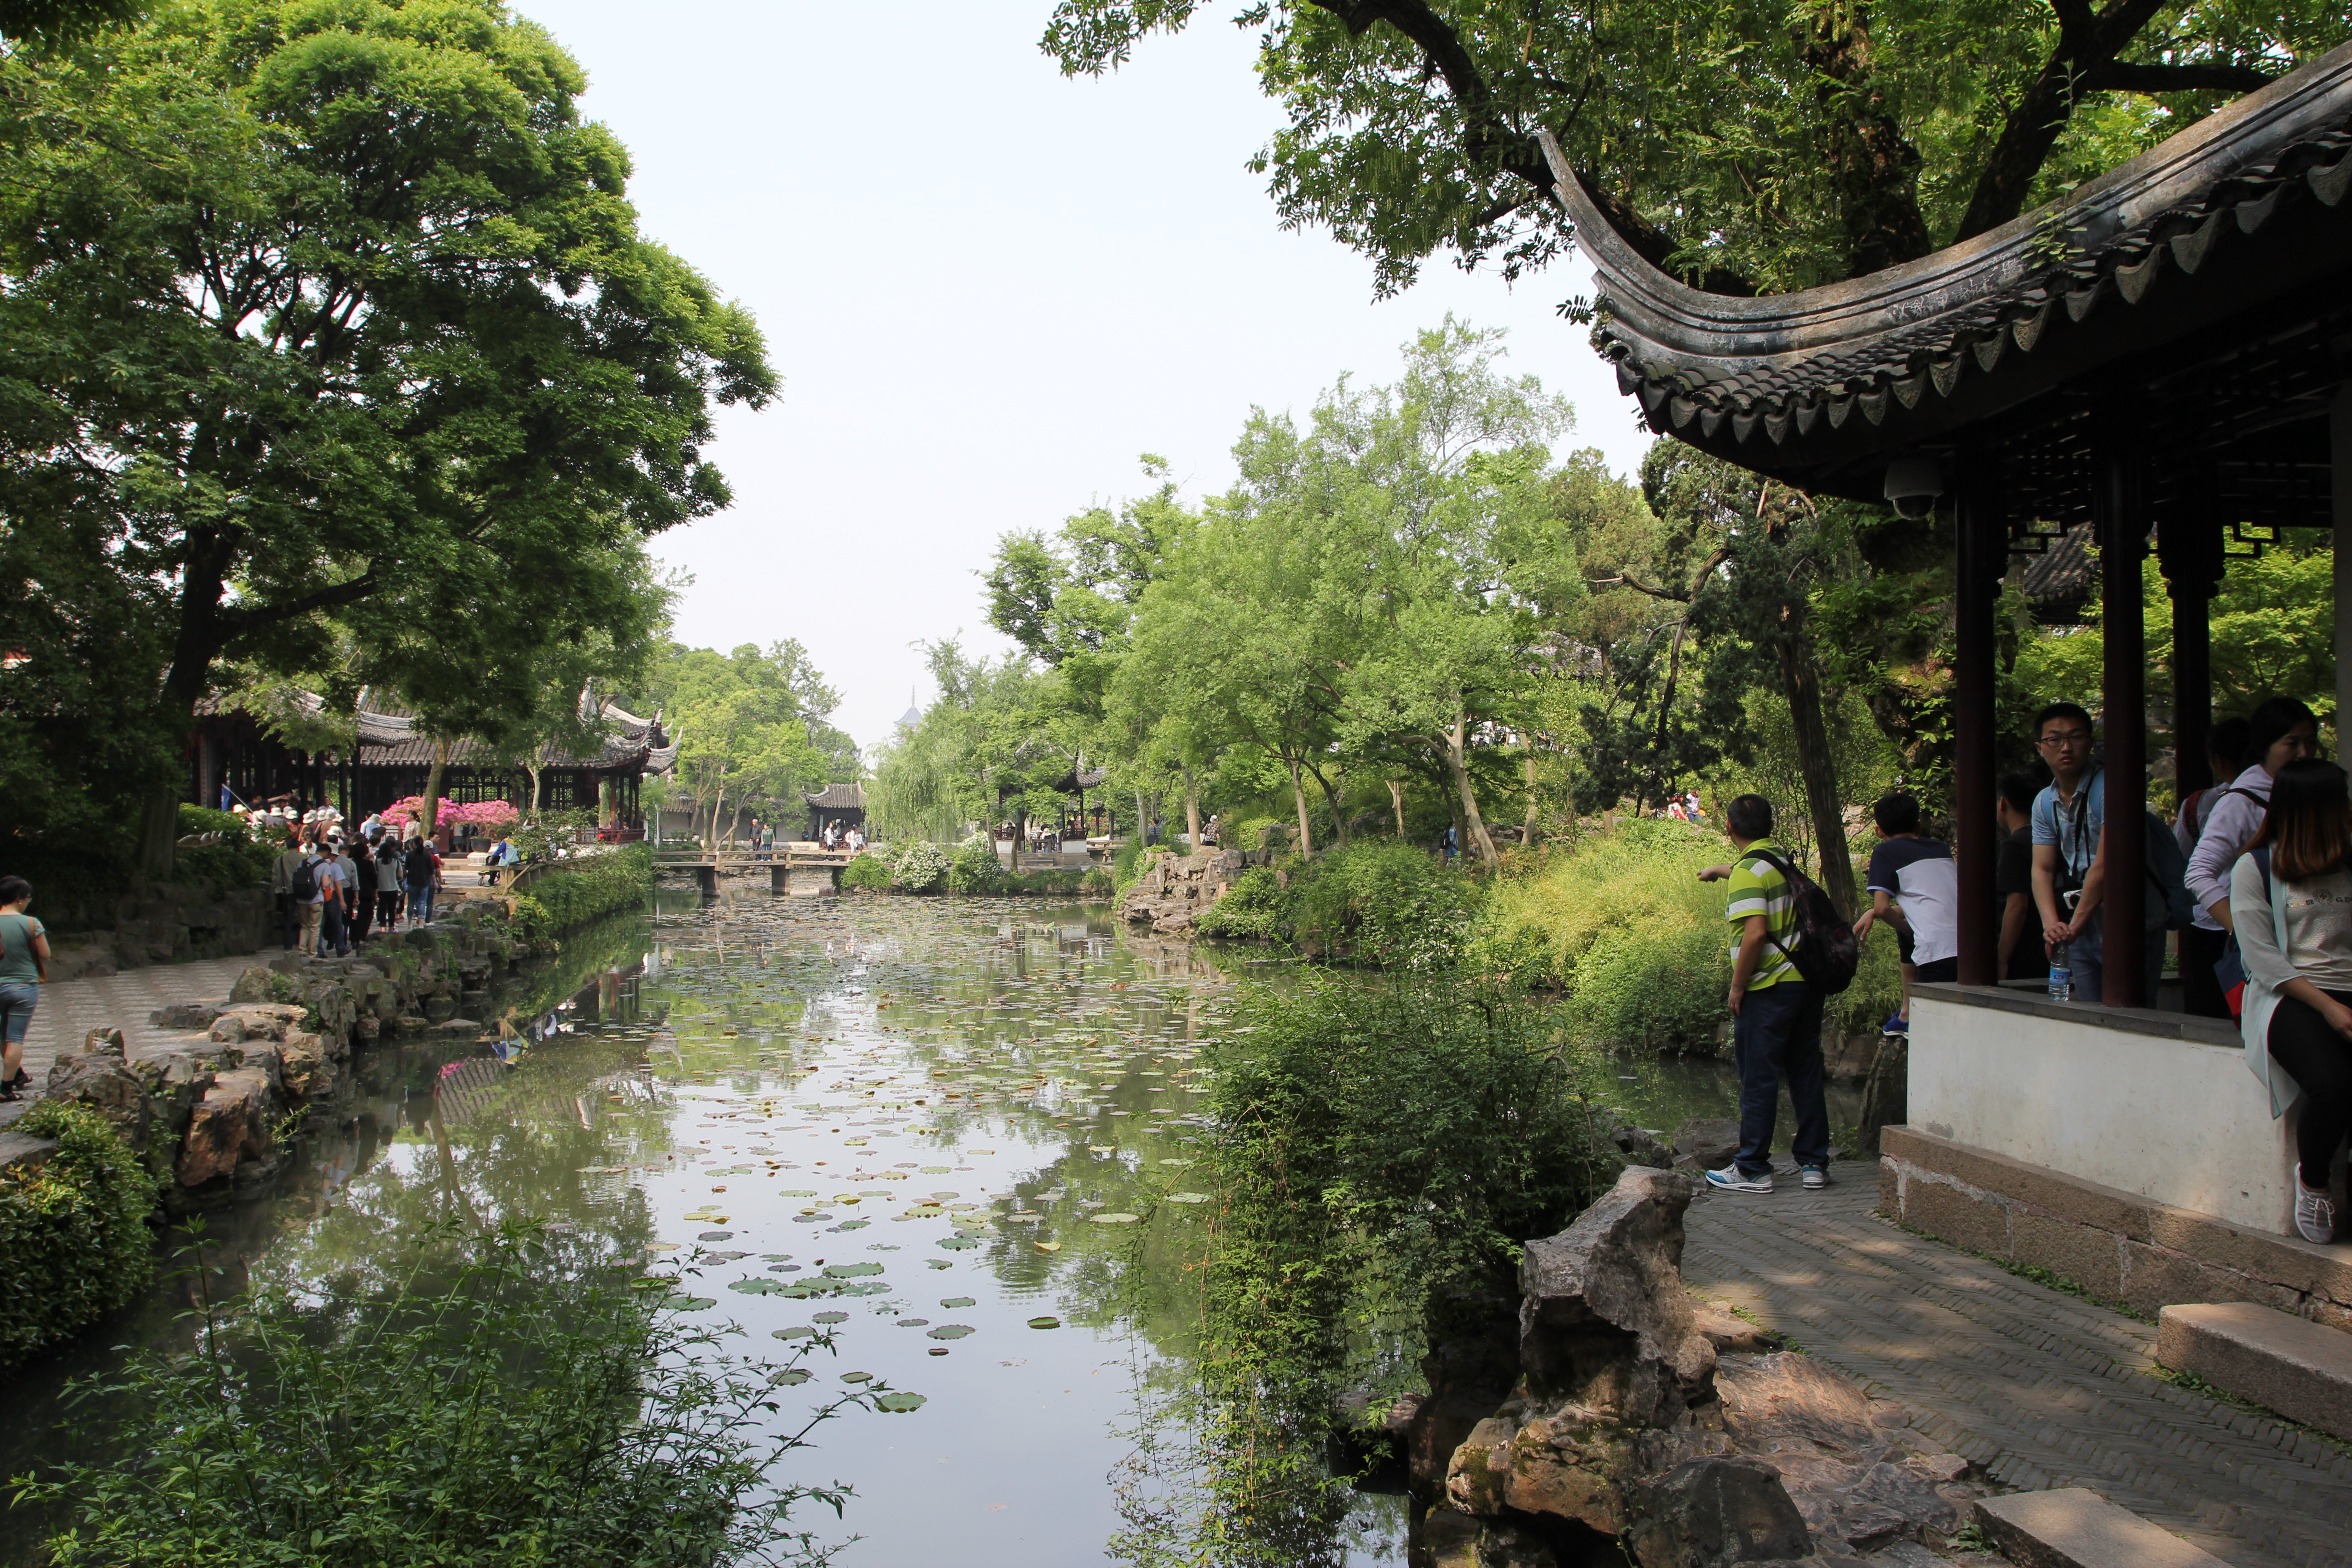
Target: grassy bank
x: 919, y: 865
x: 571, y: 893
x: 1621, y: 924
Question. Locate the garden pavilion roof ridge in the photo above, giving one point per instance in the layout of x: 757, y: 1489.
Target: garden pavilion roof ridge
x: 1762, y: 379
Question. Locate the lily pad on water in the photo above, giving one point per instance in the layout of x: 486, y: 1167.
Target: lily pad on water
x: 937, y: 1263
x: 856, y: 1377
x: 853, y: 1224
x: 1176, y: 1165
x: 830, y: 1318
x: 951, y: 1331
x: 1047, y: 1245
x: 796, y: 1192
x: 958, y: 1243
x: 802, y: 1333
x: 1188, y: 1197
x: 1045, y: 1322
x: 957, y: 1302
x: 1113, y: 1218
x: 689, y: 1303
x: 852, y: 1270
x: 791, y: 1374
x: 758, y: 1287
x: 899, y: 1404
x: 727, y: 1257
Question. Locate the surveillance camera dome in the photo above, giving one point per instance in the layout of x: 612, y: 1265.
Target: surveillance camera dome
x: 1913, y: 484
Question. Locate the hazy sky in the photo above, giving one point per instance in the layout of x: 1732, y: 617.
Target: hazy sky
x: 987, y: 289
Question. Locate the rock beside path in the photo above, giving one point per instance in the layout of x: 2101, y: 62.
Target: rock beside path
x: 1673, y: 1428
x: 1175, y: 891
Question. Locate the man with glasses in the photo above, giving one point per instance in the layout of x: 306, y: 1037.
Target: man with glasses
x: 2070, y: 819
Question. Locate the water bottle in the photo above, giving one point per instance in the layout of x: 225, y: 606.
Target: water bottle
x: 2061, y: 979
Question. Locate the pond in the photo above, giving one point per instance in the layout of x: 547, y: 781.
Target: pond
x: 950, y: 1130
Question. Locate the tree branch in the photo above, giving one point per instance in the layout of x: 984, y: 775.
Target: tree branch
x: 244, y: 620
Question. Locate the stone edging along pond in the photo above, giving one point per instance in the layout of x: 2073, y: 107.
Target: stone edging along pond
x: 212, y: 1112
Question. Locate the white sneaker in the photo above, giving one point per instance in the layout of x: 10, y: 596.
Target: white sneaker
x: 1816, y: 1178
x: 2315, y: 1214
x: 1730, y: 1179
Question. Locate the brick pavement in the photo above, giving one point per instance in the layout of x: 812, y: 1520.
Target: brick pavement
x: 2037, y: 1387
x: 69, y: 1009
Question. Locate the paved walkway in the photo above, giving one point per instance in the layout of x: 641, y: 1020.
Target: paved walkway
x: 2038, y: 1389
x: 70, y: 1009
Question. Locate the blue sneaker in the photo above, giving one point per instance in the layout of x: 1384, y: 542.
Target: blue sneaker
x: 1896, y: 1026
x: 1732, y: 1179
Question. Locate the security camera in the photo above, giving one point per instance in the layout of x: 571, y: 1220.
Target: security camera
x: 1913, y: 484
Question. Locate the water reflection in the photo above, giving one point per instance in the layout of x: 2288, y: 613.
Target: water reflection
x: 923, y: 1123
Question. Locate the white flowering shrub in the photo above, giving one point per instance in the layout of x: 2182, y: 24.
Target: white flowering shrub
x: 916, y: 865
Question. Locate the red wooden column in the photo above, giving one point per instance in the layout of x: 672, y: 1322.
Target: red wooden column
x: 2119, y: 504
x: 1983, y: 551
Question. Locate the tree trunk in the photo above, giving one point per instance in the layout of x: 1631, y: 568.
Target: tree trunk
x: 538, y: 761
x: 1337, y: 795
x: 1396, y: 803
x: 1528, y: 834
x: 194, y: 645
x: 1457, y: 742
x: 1298, y: 795
x: 1822, y: 802
x: 1191, y: 813
x: 428, y: 810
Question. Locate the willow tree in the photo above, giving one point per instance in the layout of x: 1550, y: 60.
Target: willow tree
x: 335, y: 303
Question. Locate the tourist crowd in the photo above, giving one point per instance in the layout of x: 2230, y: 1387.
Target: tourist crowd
x: 2251, y: 873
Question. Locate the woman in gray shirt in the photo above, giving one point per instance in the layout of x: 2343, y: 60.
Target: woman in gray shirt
x: 2292, y: 896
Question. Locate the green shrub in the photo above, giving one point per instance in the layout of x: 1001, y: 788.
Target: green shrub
x: 514, y: 1402
x: 1257, y: 908
x: 1380, y: 901
x: 973, y: 868
x: 866, y: 873
x: 571, y: 893
x: 238, y: 861
x: 73, y: 1242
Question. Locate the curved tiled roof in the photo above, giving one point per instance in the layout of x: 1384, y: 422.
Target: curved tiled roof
x: 838, y: 797
x: 1831, y: 374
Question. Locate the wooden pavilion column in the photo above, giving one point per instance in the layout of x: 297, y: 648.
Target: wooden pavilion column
x: 1983, y: 551
x: 2188, y: 546
x: 2339, y: 453
x: 2119, y: 507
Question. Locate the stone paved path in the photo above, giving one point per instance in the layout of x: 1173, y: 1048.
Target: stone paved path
x: 69, y: 1009
x: 2036, y: 1387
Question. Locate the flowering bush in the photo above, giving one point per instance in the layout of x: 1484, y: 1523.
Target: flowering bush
x: 495, y: 815
x: 916, y: 864
x: 974, y: 868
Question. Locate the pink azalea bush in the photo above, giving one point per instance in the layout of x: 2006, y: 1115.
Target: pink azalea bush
x: 496, y: 815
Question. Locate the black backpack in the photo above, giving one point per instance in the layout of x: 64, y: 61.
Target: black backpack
x: 1827, y: 953
x: 306, y: 882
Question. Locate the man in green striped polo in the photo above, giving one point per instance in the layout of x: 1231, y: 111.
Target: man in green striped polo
x: 1776, y: 1028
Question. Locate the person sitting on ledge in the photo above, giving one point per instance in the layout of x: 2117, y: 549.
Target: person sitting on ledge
x: 2291, y: 895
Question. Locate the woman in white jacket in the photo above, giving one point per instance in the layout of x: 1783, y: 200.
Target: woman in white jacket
x: 2292, y: 893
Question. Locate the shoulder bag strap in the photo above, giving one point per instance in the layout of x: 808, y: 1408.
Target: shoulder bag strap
x: 1789, y: 876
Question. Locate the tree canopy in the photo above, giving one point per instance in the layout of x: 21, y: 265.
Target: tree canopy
x: 1749, y: 147
x: 313, y: 305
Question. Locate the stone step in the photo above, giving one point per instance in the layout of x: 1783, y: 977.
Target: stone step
x: 2301, y: 1369
x: 2075, y: 1528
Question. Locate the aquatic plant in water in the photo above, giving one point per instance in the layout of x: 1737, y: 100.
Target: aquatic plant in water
x: 508, y: 1398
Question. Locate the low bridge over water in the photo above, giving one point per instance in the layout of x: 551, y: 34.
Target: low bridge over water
x: 803, y: 871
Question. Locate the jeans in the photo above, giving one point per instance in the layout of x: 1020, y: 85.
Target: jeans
x: 17, y: 1001
x: 1778, y: 1038
x: 420, y: 901
x: 332, y: 929
x: 2320, y: 1062
x: 2088, y: 957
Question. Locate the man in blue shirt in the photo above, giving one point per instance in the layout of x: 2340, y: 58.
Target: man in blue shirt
x: 2070, y: 825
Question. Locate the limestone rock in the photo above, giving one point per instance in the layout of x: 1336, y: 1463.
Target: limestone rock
x: 188, y: 1016
x: 252, y: 985
x: 305, y: 1065
x: 1708, y: 1142
x: 101, y: 1080
x: 230, y: 1124
x: 1718, y: 1511
x: 1730, y: 1333
x: 1603, y: 1318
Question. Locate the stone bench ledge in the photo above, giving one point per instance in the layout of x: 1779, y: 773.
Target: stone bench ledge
x: 2301, y: 1369
x: 2075, y: 1528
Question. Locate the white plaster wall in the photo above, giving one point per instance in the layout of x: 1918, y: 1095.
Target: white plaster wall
x: 2178, y: 1120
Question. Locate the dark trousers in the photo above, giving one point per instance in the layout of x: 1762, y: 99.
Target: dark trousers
x: 363, y: 915
x: 1777, y: 1040
x: 2319, y: 1059
x: 333, y: 930
x: 387, y: 906
x: 289, y: 920
x: 2200, y: 988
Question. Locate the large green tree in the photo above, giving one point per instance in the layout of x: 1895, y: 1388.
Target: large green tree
x: 1750, y: 146
x: 333, y: 301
